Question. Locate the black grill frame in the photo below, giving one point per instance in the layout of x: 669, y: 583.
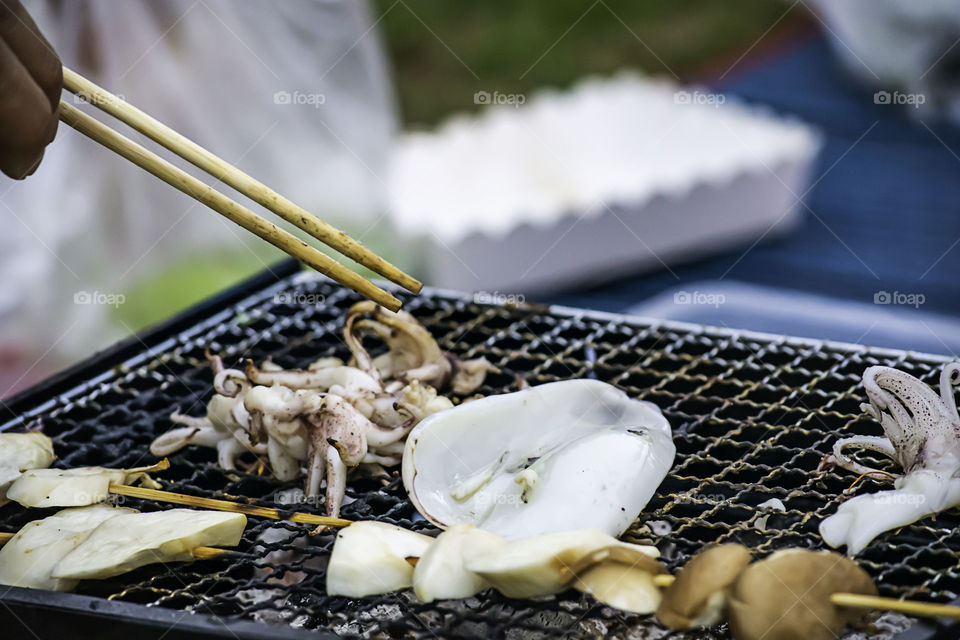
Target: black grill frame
x: 752, y: 415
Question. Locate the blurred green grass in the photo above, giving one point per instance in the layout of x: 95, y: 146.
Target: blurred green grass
x: 441, y: 52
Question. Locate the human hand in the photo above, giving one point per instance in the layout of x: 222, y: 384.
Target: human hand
x: 31, y: 78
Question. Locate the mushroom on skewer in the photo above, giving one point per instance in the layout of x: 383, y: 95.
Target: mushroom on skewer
x: 539, y: 565
x: 698, y: 597
x: 131, y: 540
x: 787, y: 596
x: 621, y: 576
x: 29, y: 558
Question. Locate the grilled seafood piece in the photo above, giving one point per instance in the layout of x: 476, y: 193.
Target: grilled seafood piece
x: 922, y: 432
x: 329, y: 418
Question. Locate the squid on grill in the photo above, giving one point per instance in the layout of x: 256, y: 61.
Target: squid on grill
x: 922, y: 435
x: 331, y: 417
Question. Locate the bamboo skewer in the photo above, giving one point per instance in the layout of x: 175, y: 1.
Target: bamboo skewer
x: 911, y: 607
x: 223, y: 205
x: 224, y: 505
x: 663, y: 580
x: 234, y: 177
x: 860, y: 601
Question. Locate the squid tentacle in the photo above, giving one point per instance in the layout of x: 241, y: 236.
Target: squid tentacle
x: 230, y: 382
x: 949, y: 377
x: 871, y: 443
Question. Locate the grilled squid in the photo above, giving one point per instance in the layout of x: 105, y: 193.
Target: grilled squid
x: 330, y: 418
x: 412, y: 353
x: 922, y: 435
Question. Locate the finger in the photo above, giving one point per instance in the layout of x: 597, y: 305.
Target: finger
x: 52, y: 125
x: 36, y: 54
x: 26, y: 118
x: 19, y: 164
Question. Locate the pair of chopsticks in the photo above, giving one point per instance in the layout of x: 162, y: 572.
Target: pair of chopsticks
x: 234, y: 177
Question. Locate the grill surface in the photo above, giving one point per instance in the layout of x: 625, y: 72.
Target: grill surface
x: 752, y: 416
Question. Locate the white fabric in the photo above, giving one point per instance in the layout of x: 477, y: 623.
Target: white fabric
x: 91, y: 221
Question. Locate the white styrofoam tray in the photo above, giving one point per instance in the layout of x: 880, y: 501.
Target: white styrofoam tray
x: 614, y: 176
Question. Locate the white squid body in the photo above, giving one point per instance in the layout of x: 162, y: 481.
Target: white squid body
x: 923, y: 435
x: 546, y: 459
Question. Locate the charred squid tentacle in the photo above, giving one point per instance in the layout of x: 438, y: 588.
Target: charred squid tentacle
x: 230, y: 382
x: 336, y: 482
x: 923, y: 435
x: 350, y: 378
x: 329, y: 417
x: 870, y: 443
x: 228, y: 450
x: 282, y: 463
x: 216, y: 362
x: 176, y: 439
x: 386, y: 460
x: 190, y: 421
x: 378, y: 436
x: 316, y: 466
x: 949, y: 377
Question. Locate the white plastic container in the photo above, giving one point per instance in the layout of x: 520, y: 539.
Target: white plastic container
x: 612, y: 177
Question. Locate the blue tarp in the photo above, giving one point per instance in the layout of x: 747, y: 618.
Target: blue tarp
x: 884, y: 214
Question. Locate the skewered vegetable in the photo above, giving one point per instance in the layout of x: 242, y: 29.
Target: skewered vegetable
x: 371, y: 557
x: 787, y: 596
x: 29, y: 558
x: 535, y: 566
x: 620, y: 576
x: 76, y: 487
x: 131, y: 540
x: 698, y: 597
x: 442, y: 573
x: 20, y: 452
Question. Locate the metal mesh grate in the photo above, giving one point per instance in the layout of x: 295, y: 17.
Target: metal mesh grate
x: 752, y: 416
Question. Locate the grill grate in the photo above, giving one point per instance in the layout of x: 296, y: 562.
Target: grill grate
x: 752, y: 416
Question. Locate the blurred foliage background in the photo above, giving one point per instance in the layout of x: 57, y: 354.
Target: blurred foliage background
x: 442, y: 52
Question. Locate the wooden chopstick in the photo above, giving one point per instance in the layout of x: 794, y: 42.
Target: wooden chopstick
x: 223, y: 205
x: 231, y: 175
